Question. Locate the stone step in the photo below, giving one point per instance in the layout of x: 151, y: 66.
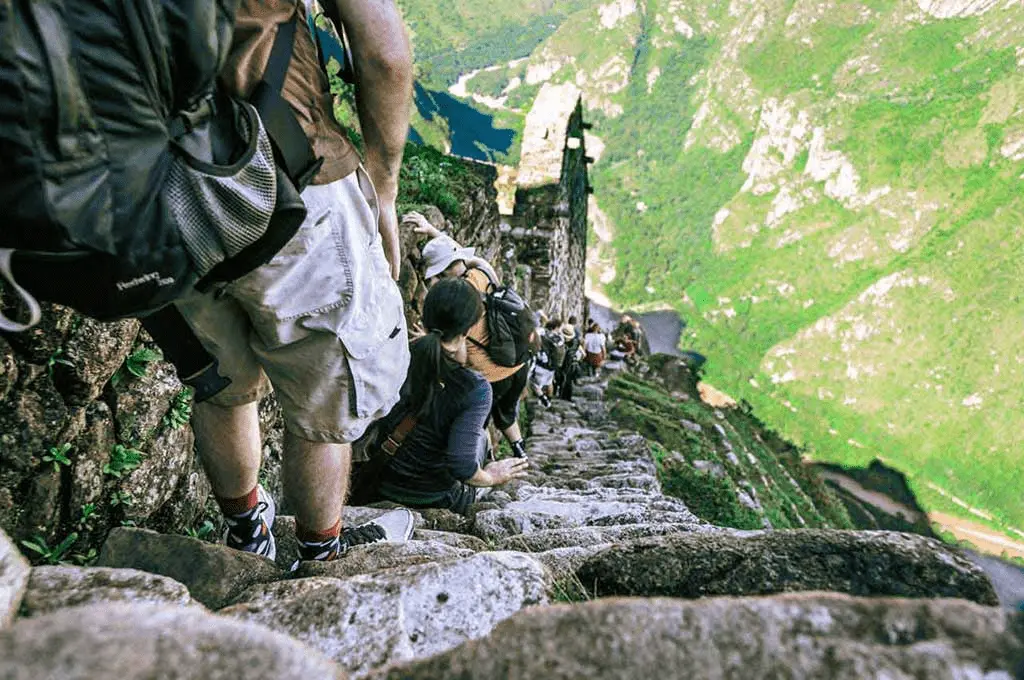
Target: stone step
x: 529, y: 517
x: 371, y: 620
x: 213, y: 574
x: 867, y: 563
x: 52, y: 588
x: 14, y: 576
x: 146, y: 641
x: 790, y: 636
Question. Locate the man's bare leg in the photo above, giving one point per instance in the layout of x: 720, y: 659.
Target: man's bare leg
x: 315, y: 481
x: 228, y: 439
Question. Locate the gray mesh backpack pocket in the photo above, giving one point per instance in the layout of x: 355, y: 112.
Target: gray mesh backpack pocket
x: 223, y: 209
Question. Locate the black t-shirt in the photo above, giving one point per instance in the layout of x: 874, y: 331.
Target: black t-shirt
x: 445, y: 446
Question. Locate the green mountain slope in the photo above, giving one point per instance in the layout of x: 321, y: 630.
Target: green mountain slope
x: 830, y: 193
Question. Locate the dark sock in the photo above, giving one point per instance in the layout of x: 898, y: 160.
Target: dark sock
x: 233, y: 507
x: 317, y: 536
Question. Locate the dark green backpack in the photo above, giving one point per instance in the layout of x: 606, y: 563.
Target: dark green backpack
x: 126, y: 175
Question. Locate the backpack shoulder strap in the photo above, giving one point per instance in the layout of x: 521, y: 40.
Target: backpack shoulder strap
x: 280, y: 55
x: 291, y: 145
x: 393, y: 442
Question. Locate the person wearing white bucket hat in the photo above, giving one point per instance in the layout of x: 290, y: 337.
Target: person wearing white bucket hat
x: 440, y: 253
x: 444, y: 257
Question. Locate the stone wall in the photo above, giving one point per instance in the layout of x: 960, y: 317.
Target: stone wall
x: 93, y: 435
x: 478, y: 225
x: 549, y: 230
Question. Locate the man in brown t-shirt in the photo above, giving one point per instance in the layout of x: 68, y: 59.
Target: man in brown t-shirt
x: 321, y: 324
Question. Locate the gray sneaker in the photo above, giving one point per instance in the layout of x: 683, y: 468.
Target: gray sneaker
x: 394, y: 526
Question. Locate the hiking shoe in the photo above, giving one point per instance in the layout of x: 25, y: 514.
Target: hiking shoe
x: 394, y: 526
x: 250, y: 532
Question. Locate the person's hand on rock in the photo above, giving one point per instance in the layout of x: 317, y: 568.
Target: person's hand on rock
x: 507, y: 469
x: 421, y: 225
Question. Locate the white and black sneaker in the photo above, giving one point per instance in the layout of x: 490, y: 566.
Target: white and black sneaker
x: 251, y: 531
x: 394, y: 526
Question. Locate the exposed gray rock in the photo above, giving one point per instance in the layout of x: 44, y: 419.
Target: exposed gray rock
x: 369, y: 559
x: 141, y: 403
x: 720, y: 563
x: 562, y: 563
x: 14, y: 575
x: 168, y: 459
x: 8, y: 369
x: 648, y: 483
x: 89, y: 453
x: 33, y: 417
x: 60, y: 587
x: 214, y: 574
x: 716, y: 470
x: 691, y: 426
x: 463, y: 541
x: 144, y: 642
x: 542, y: 541
x: 496, y: 525
x: 792, y: 636
x: 95, y: 350
x: 366, y: 621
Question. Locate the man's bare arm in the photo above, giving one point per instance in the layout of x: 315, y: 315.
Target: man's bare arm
x: 383, y: 73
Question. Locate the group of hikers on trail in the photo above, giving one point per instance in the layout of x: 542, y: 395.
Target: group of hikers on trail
x: 180, y: 162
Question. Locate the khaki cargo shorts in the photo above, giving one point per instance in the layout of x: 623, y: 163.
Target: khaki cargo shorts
x: 321, y: 324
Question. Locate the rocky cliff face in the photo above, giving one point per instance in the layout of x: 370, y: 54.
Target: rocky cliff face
x: 93, y: 434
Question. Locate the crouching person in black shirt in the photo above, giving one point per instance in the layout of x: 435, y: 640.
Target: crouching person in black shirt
x: 431, y: 447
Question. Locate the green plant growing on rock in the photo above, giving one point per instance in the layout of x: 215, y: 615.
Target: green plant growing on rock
x: 568, y: 588
x: 122, y: 498
x: 122, y: 459
x: 47, y: 554
x: 84, y: 559
x: 86, y: 513
x: 138, y: 361
x: 202, y: 532
x: 57, y: 455
x: 137, y: 364
x: 181, y: 410
x: 55, y: 359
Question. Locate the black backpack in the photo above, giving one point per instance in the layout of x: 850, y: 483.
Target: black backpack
x: 510, y: 327
x: 126, y: 175
x: 554, y: 347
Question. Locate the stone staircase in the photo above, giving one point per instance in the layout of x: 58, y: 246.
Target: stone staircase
x: 530, y: 585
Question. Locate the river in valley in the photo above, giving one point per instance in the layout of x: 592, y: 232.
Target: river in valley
x: 473, y: 134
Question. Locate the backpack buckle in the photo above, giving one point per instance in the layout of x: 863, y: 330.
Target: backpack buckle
x: 390, y: 446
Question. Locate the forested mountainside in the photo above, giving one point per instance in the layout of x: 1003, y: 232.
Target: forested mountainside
x: 828, y: 191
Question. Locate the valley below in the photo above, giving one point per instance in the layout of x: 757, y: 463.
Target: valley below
x: 828, y: 194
